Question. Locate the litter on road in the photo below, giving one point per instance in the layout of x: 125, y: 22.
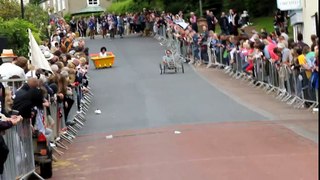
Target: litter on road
x: 109, y: 137
x: 177, y: 132
x: 98, y: 111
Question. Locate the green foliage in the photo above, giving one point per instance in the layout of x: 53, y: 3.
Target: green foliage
x: 255, y: 9
x: 9, y: 9
x: 33, y: 13
x: 35, y: 2
x: 123, y: 6
x: 15, y: 29
x: 16, y: 32
x: 37, y: 16
x: 67, y: 17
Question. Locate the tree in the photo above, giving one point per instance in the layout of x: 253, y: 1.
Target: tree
x: 37, y: 16
x: 16, y: 32
x: 9, y: 9
x: 36, y: 2
x: 256, y: 9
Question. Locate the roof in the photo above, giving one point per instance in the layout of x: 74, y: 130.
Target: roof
x: 90, y: 9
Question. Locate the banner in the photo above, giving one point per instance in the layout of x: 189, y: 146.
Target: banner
x: 285, y: 5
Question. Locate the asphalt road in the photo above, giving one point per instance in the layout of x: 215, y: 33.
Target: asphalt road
x: 133, y: 95
x: 220, y: 138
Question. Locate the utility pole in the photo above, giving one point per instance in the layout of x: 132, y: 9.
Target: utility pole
x: 200, y: 4
x: 22, y: 9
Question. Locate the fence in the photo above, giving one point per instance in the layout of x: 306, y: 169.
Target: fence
x: 276, y: 78
x: 20, y: 163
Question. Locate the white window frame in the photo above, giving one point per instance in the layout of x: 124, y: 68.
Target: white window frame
x: 59, y: 6
x: 54, y: 5
x: 63, y: 2
x: 88, y: 3
x: 314, y: 24
x: 44, y: 5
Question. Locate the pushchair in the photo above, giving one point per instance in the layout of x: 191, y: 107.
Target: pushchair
x: 170, y: 63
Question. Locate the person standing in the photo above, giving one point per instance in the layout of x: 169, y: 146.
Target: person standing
x: 91, y: 26
x: 204, y: 45
x: 235, y: 23
x: 230, y: 21
x: 224, y: 25
x: 209, y: 20
x: 84, y: 26
x: 73, y: 25
x: 112, y: 26
x: 80, y: 28
x: 104, y: 26
x: 193, y: 22
x: 121, y: 25
x: 214, y: 21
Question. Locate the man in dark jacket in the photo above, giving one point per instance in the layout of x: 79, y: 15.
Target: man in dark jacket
x: 73, y: 24
x: 27, y: 97
x: 209, y: 21
x: 223, y: 22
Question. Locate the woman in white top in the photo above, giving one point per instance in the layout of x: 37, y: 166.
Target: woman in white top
x: 103, y: 52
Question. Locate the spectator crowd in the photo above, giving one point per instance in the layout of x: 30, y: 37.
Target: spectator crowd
x: 295, y: 63
x: 68, y: 58
x: 26, y: 92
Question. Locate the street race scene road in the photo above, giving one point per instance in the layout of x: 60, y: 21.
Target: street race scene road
x: 159, y: 90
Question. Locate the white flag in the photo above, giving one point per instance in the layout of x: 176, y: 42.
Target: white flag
x: 37, y: 57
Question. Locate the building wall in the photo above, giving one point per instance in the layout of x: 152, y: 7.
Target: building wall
x: 63, y: 7
x: 76, y: 5
x: 105, y: 3
x: 310, y: 7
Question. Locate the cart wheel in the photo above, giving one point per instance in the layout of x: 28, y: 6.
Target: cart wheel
x: 182, y: 68
x: 160, y: 68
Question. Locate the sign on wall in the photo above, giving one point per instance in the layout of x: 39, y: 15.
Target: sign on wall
x: 285, y: 5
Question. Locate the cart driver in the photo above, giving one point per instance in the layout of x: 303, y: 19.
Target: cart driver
x: 167, y: 57
x: 103, y: 52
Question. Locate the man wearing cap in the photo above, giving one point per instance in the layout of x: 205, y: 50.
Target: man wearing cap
x: 7, y: 55
x: 9, y: 69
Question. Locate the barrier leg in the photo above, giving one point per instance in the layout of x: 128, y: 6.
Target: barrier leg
x: 62, y: 145
x: 26, y: 176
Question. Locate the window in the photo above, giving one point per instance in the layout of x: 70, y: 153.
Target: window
x: 297, y: 28
x: 93, y: 2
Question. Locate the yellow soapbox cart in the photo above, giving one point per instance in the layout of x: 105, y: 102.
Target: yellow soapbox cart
x: 102, y: 62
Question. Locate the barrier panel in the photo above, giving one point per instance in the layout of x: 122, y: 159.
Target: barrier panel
x: 20, y: 162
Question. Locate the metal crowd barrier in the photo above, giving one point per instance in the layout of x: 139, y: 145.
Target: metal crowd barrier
x: 275, y: 78
x: 20, y: 163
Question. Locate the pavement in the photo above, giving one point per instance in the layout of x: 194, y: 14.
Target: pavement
x: 197, y: 125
